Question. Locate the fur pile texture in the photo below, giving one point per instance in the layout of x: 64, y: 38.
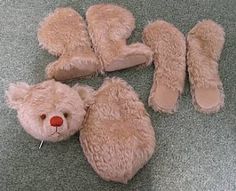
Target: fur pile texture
x: 205, y: 43
x: 117, y: 137
x: 169, y: 47
x: 49, y: 98
x: 109, y: 27
x: 63, y: 33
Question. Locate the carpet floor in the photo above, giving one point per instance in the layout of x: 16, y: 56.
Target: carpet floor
x: 194, y: 151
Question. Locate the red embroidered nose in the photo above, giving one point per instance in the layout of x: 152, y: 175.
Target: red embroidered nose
x: 56, y: 121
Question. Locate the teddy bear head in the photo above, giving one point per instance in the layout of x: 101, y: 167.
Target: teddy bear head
x: 50, y: 111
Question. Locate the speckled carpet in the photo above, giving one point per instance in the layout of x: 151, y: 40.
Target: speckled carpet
x: 194, y: 152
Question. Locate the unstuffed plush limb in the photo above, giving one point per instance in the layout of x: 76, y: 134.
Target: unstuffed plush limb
x: 205, y: 43
x: 63, y: 33
x: 109, y: 27
x: 169, y: 47
x: 117, y: 137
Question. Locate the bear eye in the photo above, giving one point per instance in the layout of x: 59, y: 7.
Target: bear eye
x: 65, y: 114
x: 43, y: 116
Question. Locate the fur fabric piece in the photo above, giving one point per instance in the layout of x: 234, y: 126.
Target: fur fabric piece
x: 37, y: 104
x: 63, y: 33
x: 169, y: 47
x: 117, y: 138
x: 109, y: 27
x: 205, y: 43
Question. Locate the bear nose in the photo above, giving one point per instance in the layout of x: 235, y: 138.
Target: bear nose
x: 56, y: 121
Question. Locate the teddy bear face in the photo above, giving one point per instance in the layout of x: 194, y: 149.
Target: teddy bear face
x: 49, y: 111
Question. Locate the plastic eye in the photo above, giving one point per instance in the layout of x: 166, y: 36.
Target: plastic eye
x: 65, y: 115
x: 43, y: 116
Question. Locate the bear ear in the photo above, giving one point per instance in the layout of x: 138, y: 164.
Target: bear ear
x: 86, y: 93
x: 16, y: 93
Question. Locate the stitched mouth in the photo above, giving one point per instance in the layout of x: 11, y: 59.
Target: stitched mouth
x: 56, y: 133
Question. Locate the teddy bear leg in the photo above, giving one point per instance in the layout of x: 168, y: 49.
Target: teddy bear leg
x: 169, y: 47
x: 205, y: 43
x: 63, y: 33
x: 109, y: 27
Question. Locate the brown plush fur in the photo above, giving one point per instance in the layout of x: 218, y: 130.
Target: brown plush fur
x: 117, y: 137
x: 63, y: 33
x: 205, y: 43
x: 169, y: 47
x: 109, y: 27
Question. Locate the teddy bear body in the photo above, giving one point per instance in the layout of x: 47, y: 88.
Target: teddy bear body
x: 117, y: 136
